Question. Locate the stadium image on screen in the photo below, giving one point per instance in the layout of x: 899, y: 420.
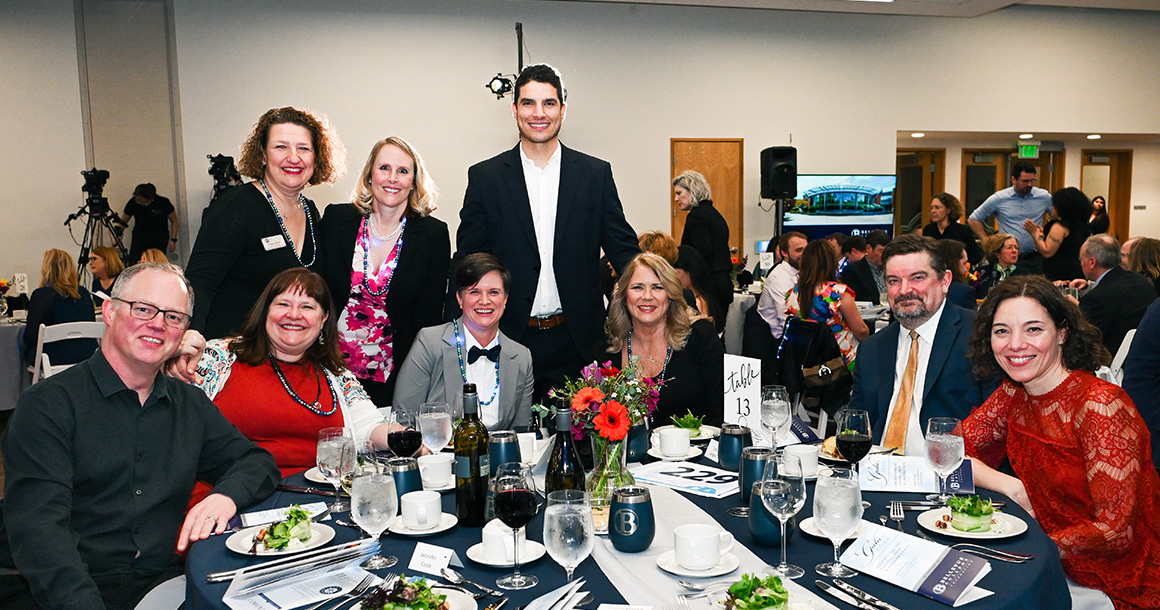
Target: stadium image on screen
x: 845, y: 203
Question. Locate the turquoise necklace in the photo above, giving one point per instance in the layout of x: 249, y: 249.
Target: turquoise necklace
x: 285, y: 233
x: 668, y: 355
x: 463, y: 369
x: 315, y: 406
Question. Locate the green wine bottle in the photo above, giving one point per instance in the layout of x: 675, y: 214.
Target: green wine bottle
x: 472, y: 466
x: 564, y: 468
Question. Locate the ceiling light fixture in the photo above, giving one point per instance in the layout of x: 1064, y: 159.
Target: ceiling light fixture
x: 918, y: 134
x: 1025, y: 136
x: 1094, y: 136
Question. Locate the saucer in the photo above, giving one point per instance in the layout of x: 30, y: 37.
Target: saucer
x: 314, y: 475
x: 446, y: 522
x: 668, y: 562
x: 448, y: 486
x: 656, y: 452
x: 707, y: 432
x: 532, y: 551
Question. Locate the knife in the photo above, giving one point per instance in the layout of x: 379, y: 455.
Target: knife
x: 306, y: 489
x: 838, y: 594
x: 497, y: 605
x: 862, y: 595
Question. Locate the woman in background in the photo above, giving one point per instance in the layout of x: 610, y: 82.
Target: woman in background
x: 945, y: 212
x: 695, y: 280
x: 59, y: 299
x: 153, y: 255
x: 1099, y: 222
x: 1059, y: 240
x: 819, y: 298
x: 707, y: 232
x: 1144, y: 258
x: 1002, y: 252
x: 105, y: 265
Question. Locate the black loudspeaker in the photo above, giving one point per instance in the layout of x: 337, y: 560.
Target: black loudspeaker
x: 779, y: 172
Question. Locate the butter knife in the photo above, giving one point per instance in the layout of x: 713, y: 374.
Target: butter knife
x: 862, y: 595
x: 839, y: 594
x: 306, y: 489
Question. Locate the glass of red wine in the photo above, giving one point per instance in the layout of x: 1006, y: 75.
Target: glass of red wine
x: 854, y: 440
x: 403, y: 438
x: 515, y: 505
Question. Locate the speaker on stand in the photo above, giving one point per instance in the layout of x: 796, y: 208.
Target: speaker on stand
x: 779, y: 177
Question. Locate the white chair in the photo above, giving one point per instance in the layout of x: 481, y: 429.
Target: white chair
x: 1120, y: 357
x: 42, y: 366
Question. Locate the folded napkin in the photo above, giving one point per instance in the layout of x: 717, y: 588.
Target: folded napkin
x: 564, y: 598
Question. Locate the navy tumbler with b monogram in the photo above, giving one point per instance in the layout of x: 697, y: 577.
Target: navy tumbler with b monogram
x: 734, y: 438
x: 405, y: 471
x: 631, y: 524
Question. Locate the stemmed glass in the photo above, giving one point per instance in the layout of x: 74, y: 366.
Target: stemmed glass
x: 854, y: 440
x: 435, y: 425
x: 945, y: 449
x: 402, y: 438
x: 783, y: 496
x: 373, y: 507
x: 776, y: 415
x: 335, y: 458
x: 515, y: 505
x: 569, y: 532
x: 837, y: 511
x: 366, y: 461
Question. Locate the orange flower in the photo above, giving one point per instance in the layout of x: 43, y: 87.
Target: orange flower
x: 585, y: 397
x: 612, y: 422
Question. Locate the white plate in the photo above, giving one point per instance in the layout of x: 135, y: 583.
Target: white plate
x: 800, y: 598
x: 240, y: 542
x: 457, y: 600
x: 693, y: 452
x: 841, y: 460
x: 810, y: 527
x: 707, y: 432
x: 1005, y: 526
x: 668, y: 562
x: 532, y: 551
x: 315, y: 475
x: 446, y: 522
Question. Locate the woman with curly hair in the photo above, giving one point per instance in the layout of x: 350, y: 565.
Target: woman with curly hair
x: 945, y: 212
x: 1100, y: 498
x: 252, y: 231
x: 1002, y: 255
x: 650, y: 323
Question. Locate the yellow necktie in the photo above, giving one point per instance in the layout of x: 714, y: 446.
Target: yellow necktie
x: 896, y: 430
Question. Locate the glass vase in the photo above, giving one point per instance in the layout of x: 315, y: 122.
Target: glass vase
x: 608, y: 473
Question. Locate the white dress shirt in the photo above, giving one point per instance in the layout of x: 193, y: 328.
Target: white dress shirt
x: 543, y: 194
x: 915, y: 435
x: 482, y: 373
x: 771, y: 305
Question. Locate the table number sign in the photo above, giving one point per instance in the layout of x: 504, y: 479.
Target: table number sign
x: 910, y: 473
x: 742, y: 386
x: 708, y: 481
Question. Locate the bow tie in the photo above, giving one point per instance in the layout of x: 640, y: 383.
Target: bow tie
x: 474, y: 353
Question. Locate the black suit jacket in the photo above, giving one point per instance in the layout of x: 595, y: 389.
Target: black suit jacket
x: 1117, y: 304
x: 415, y: 299
x: 949, y: 389
x: 858, y: 277
x: 497, y: 218
x: 708, y: 233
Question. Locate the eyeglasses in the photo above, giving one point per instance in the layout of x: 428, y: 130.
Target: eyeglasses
x: 144, y: 311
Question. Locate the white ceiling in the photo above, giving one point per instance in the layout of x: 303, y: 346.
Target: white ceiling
x: 929, y: 8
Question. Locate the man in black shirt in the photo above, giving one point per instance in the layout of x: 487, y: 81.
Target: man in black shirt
x: 100, y: 461
x: 154, y: 214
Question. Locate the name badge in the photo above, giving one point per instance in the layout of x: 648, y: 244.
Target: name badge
x: 273, y: 242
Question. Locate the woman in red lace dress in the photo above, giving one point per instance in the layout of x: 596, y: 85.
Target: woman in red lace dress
x: 1078, y: 445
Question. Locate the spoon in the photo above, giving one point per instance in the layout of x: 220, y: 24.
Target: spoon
x: 457, y: 578
x: 882, y: 520
x: 696, y: 586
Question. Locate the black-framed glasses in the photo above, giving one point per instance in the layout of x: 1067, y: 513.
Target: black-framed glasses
x: 144, y: 311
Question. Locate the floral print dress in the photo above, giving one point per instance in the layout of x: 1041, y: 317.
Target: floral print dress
x: 365, y: 335
x: 825, y: 309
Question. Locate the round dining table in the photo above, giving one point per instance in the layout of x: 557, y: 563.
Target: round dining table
x: 1038, y: 583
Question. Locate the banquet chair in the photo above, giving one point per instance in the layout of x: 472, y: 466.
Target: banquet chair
x: 42, y: 365
x: 1121, y: 356
x: 806, y: 343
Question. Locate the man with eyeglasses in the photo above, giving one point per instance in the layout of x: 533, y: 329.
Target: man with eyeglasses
x: 100, y: 461
x: 1011, y: 207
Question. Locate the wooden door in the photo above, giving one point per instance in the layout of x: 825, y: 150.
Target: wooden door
x: 1119, y: 183
x: 921, y: 175
x: 984, y: 172
x: 721, y: 161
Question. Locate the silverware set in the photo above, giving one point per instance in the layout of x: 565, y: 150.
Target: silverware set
x: 361, y: 590
x: 985, y: 552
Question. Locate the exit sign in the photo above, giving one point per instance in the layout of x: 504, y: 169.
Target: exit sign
x: 1028, y: 151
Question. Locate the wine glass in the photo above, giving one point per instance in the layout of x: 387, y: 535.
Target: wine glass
x: 945, y: 449
x: 373, y: 506
x: 569, y: 532
x: 854, y: 440
x: 783, y: 496
x: 335, y: 458
x: 776, y: 416
x: 837, y: 513
x: 435, y: 425
x: 515, y: 505
x: 402, y: 438
x: 366, y: 461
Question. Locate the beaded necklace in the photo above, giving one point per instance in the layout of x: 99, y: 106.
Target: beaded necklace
x: 282, y: 224
x: 375, y: 232
x: 390, y: 266
x: 668, y: 355
x: 463, y: 369
x: 315, y: 406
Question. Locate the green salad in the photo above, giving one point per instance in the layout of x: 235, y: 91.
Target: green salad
x: 970, y: 513
x: 688, y: 421
x: 756, y: 593
x: 415, y: 594
x: 295, y: 527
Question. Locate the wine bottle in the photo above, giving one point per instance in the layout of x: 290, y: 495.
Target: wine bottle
x: 472, y: 466
x: 564, y: 468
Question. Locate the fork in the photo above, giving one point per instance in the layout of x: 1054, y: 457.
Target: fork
x: 683, y: 598
x: 358, y: 590
x: 896, y: 514
x: 985, y: 551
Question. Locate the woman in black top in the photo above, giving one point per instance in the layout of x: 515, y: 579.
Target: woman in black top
x: 945, y: 212
x: 1145, y: 260
x: 105, y: 265
x: 1099, y: 221
x: 251, y: 232
x: 1060, y: 239
x: 649, y: 323
x: 707, y: 231
x: 59, y: 299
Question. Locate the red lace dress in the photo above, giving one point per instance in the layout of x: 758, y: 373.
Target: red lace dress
x: 1084, y: 455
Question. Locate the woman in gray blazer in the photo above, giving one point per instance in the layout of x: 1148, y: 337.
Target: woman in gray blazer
x: 471, y: 349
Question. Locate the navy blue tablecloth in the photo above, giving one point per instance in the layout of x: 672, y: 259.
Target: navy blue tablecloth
x: 1036, y: 584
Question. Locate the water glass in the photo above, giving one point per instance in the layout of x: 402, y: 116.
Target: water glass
x: 569, y: 532
x: 373, y: 506
x: 435, y: 425
x: 335, y: 458
x: 366, y: 461
x: 945, y: 450
x: 776, y: 415
x: 837, y: 514
x: 783, y: 496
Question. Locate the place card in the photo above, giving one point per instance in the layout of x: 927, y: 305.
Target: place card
x: 711, y: 450
x: 431, y: 559
x: 697, y: 479
x: 910, y: 473
x: 742, y: 386
x: 924, y: 567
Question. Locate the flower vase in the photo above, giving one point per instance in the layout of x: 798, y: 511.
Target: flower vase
x: 608, y: 473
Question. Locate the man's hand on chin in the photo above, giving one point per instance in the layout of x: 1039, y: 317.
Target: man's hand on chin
x: 210, y: 516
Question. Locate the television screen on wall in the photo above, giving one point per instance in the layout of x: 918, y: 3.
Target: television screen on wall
x: 841, y: 203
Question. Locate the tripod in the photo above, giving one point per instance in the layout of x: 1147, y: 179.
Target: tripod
x: 100, y: 224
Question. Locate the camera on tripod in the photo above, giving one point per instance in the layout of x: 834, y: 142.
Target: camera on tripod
x: 102, y: 223
x: 95, y: 180
x: 225, y: 173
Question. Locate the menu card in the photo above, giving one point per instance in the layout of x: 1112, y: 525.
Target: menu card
x: 692, y: 478
x: 312, y: 578
x: 924, y: 567
x: 910, y: 473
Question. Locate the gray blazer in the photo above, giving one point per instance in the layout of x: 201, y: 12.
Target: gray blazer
x: 431, y: 374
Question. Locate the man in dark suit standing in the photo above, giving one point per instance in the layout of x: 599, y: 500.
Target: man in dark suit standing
x: 865, y: 276
x: 904, y: 378
x: 1118, y: 298
x: 546, y: 211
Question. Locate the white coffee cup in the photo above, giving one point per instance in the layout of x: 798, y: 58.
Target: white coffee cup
x: 674, y: 442
x: 527, y: 442
x: 806, y: 455
x: 498, y: 542
x: 435, y: 469
x: 422, y: 510
x: 699, y: 546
